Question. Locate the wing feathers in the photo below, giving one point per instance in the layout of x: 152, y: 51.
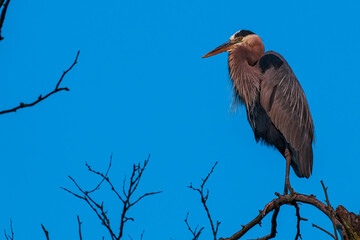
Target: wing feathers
x: 285, y: 103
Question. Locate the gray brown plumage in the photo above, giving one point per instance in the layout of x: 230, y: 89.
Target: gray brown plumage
x: 275, y: 102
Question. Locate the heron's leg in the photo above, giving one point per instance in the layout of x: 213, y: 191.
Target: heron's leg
x: 287, y: 180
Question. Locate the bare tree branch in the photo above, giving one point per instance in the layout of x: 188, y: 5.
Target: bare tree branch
x: 196, y: 233
x: 126, y: 199
x: 98, y: 173
x: 314, y: 225
x: 96, y: 207
x: 204, y: 197
x: 273, y: 226
x: 141, y: 236
x: 330, y: 208
x: 41, y: 98
x: 341, y: 218
x: 46, y: 232
x: 135, y: 178
x: 299, y: 218
x: 11, y: 236
x: 3, y: 13
x: 79, y: 223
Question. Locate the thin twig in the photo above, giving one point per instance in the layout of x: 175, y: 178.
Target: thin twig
x: 46, y: 232
x: 96, y: 207
x: 135, y: 178
x: 79, y: 223
x: 196, y: 233
x: 326, y: 195
x: 126, y: 199
x: 66, y: 71
x: 330, y: 208
x: 204, y: 198
x: 41, y: 98
x: 98, y: 173
x: 3, y: 13
x: 107, y: 179
x: 10, y: 237
x: 299, y: 218
x: 314, y: 225
x: 142, y: 234
x: 207, y: 177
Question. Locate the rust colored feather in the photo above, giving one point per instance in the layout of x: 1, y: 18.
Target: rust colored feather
x: 246, y: 80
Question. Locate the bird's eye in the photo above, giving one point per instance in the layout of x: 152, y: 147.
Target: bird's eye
x: 240, y: 38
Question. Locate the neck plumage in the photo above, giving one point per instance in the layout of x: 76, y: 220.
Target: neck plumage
x: 245, y: 78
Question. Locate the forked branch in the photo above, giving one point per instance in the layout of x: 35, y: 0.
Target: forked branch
x: 314, y: 225
x: 195, y: 232
x: 330, y: 208
x: 45, y: 232
x: 204, y: 197
x: 11, y: 235
x: 348, y: 223
x: 41, y: 97
x: 4, y: 7
x: 126, y: 197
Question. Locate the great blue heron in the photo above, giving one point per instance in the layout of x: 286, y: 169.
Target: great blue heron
x: 276, y: 106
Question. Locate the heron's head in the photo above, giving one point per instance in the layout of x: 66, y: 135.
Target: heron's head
x: 241, y: 38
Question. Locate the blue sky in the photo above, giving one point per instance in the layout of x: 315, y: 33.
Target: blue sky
x: 140, y: 87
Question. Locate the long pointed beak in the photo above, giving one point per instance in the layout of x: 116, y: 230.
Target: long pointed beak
x: 222, y: 48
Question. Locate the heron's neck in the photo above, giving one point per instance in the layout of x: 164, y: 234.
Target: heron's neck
x: 245, y: 78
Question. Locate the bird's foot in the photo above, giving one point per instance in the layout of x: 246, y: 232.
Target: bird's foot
x: 291, y: 190
x: 288, y: 188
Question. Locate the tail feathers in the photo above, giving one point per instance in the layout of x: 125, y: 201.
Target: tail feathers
x: 295, y: 167
x: 302, y: 161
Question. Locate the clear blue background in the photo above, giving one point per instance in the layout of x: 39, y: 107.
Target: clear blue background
x: 141, y: 87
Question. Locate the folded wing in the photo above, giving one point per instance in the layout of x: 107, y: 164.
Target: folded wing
x: 284, y: 101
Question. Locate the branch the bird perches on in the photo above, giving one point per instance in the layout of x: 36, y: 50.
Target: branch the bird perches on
x: 346, y: 223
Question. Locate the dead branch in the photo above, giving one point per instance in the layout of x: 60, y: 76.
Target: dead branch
x: 11, y: 236
x: 103, y: 176
x: 3, y: 13
x: 272, y: 234
x: 347, y: 223
x: 314, y: 225
x: 204, y: 197
x: 341, y: 218
x: 330, y: 208
x: 41, y: 98
x: 126, y: 197
x: 299, y: 218
x: 46, y: 232
x: 79, y: 223
x: 195, y: 232
x: 141, y: 236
